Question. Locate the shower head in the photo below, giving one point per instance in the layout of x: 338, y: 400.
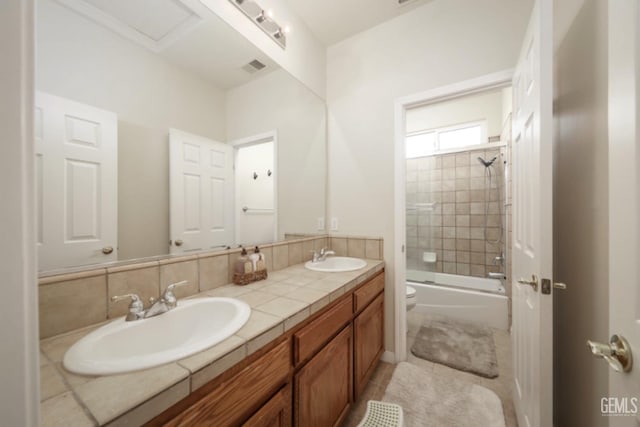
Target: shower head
x: 486, y: 163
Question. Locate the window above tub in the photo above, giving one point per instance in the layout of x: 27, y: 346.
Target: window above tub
x: 446, y: 139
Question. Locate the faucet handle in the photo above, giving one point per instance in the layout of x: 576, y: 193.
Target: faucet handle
x: 168, y: 296
x: 136, y: 308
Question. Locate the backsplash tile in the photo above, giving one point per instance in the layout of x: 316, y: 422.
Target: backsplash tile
x: 213, y: 271
x: 177, y: 271
x: 339, y: 246
x: 72, y: 304
x: 356, y: 248
x: 62, y: 293
x: 280, y: 257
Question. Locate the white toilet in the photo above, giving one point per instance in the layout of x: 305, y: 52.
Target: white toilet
x: 411, y: 297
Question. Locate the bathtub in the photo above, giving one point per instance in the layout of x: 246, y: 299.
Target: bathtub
x: 473, y: 299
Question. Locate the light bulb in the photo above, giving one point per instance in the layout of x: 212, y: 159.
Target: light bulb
x: 286, y: 29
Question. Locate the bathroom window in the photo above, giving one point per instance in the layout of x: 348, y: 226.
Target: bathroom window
x: 446, y: 139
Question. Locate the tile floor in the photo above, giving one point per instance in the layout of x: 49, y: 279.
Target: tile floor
x: 500, y: 385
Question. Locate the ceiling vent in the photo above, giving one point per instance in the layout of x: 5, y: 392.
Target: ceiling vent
x: 253, y: 66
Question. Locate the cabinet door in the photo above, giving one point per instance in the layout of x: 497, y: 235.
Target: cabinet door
x: 369, y: 342
x: 275, y: 413
x: 323, y: 387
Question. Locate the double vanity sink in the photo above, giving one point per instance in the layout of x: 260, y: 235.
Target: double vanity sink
x: 192, y: 326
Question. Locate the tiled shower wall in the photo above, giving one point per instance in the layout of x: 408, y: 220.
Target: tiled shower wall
x: 446, y: 213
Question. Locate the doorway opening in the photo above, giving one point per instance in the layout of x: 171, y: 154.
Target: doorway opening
x: 255, y: 176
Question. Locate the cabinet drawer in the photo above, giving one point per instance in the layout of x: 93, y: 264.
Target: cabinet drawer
x: 313, y: 336
x: 367, y: 292
x: 235, y: 399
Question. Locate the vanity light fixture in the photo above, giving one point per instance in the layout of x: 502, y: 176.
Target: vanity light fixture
x: 264, y: 20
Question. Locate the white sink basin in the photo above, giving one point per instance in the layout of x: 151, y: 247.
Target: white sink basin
x: 336, y: 264
x: 121, y: 346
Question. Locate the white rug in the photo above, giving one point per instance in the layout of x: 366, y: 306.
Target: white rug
x: 429, y: 400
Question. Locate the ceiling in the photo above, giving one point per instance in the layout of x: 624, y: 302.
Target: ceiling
x: 334, y: 20
x: 183, y: 32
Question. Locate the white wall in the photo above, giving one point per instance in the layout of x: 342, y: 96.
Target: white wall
x: 19, y: 390
x: 304, y: 57
x: 484, y: 106
x: 299, y: 116
x: 581, y: 205
x: 82, y: 61
x: 440, y: 43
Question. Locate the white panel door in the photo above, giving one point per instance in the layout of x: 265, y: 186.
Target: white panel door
x: 624, y: 207
x: 532, y: 223
x: 77, y: 181
x: 201, y: 193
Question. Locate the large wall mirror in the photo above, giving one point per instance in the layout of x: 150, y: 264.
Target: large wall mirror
x: 161, y: 130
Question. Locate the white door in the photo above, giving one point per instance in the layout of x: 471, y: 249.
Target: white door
x: 200, y: 193
x: 532, y: 223
x: 624, y: 205
x: 255, y: 193
x: 77, y: 183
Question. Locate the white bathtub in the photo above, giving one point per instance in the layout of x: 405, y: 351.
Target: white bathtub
x: 473, y: 299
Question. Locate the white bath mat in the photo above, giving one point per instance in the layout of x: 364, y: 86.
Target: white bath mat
x: 430, y: 400
x: 460, y: 345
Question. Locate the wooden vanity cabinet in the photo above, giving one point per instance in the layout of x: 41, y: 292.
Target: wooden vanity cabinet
x: 323, y: 387
x: 368, y: 331
x: 275, y: 413
x: 308, y: 378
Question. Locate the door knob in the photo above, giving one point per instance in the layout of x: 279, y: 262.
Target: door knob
x: 107, y: 250
x: 179, y: 242
x: 533, y: 282
x: 617, y: 353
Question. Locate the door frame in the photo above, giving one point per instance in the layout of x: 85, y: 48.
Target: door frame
x: 401, y: 105
x: 253, y: 140
x: 18, y: 261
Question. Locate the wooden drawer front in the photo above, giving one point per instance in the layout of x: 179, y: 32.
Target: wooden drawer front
x: 275, y: 413
x: 368, y: 331
x: 323, y: 386
x: 367, y: 292
x: 235, y: 399
x: 313, y: 336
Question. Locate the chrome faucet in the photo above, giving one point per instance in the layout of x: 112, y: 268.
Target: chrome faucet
x: 167, y: 301
x: 500, y: 276
x: 322, y: 255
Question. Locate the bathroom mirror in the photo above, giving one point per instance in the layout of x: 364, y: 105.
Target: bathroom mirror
x: 161, y: 130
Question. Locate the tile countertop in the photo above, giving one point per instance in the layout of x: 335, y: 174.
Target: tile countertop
x: 278, y: 303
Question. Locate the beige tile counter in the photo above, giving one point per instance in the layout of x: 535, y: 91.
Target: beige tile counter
x: 285, y: 299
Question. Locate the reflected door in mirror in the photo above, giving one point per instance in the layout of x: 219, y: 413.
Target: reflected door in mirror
x: 200, y: 193
x: 76, y: 176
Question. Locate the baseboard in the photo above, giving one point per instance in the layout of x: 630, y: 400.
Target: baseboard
x: 388, y: 357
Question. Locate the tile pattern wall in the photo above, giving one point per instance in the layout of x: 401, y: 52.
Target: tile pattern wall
x: 446, y: 197
x: 77, y: 299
